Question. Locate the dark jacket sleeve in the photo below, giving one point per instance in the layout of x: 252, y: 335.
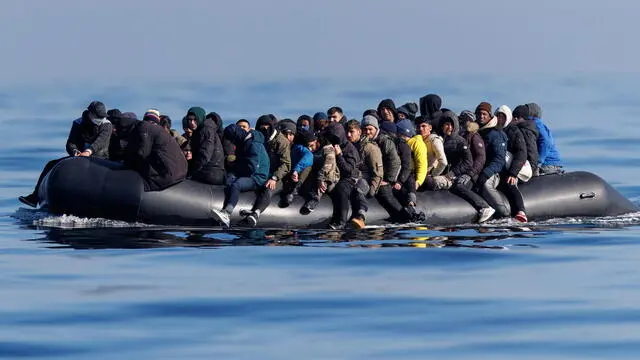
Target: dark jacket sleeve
x: 498, y: 145
x: 531, y: 139
x: 390, y: 159
x: 349, y: 162
x: 465, y: 159
x: 74, y: 141
x: 518, y: 149
x: 405, y: 161
x: 101, y: 144
x: 205, y: 150
x: 478, y: 152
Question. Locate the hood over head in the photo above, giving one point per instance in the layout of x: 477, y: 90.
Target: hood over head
x: 449, y: 116
x: 198, y: 112
x: 113, y: 114
x: 270, y: 121
x: 534, y: 110
x: 336, y: 135
x: 124, y: 126
x: 217, y: 120
x: 235, y: 134
x: 504, y: 109
x: 389, y: 104
x: 307, y: 118
x: 409, y: 109
x: 429, y: 104
x: 520, y: 112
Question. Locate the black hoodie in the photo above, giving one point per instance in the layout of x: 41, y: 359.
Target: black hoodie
x: 123, y: 127
x: 530, y: 135
x: 206, y: 147
x: 349, y: 160
x: 455, y: 147
x: 430, y: 109
x: 85, y: 135
x: 389, y: 104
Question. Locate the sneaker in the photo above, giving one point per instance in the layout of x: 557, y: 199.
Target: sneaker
x: 485, y: 214
x: 221, y: 216
x: 245, y: 212
x: 357, y: 222
x: 29, y: 200
x: 335, y: 226
x: 252, y: 219
x: 521, y: 217
x: 311, y: 205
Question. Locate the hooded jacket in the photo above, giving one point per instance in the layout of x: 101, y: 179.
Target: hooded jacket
x: 530, y: 135
x: 547, y: 152
x: 406, y: 160
x: 516, y: 144
x: 87, y: 135
x: 371, y: 166
x: 430, y: 109
x: 155, y: 155
x: 455, y: 147
x: 496, y: 149
x: 123, y: 128
x: 476, y: 145
x: 252, y: 159
x: 390, y: 157
x: 278, y: 147
x: 302, y: 118
x: 436, y: 158
x: 349, y: 159
x: 387, y: 103
x: 409, y: 109
x: 206, y: 147
x: 301, y: 157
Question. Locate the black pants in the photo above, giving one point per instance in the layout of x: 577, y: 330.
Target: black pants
x: 515, y: 197
x: 340, y: 196
x: 291, y: 187
x: 213, y: 177
x: 464, y: 191
x: 45, y: 171
x: 359, y: 203
x: 263, y: 200
x: 389, y: 202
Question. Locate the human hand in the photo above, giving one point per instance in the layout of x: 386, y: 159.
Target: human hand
x: 271, y: 184
x: 397, y: 186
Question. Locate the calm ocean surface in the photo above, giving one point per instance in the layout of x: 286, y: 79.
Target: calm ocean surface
x: 96, y: 289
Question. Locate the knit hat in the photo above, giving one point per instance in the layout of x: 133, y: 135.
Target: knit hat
x: 466, y: 116
x: 409, y: 110
x: 287, y: 125
x: 320, y: 116
x: 370, y: 120
x: 406, y: 128
x: 97, y: 109
x: 114, y: 114
x: 307, y: 136
x: 484, y: 106
x: 388, y: 127
x: 264, y: 120
x: 152, y: 115
x: 130, y: 115
x: 520, y: 111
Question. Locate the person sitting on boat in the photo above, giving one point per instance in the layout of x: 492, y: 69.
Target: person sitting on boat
x: 302, y: 159
x: 469, y: 131
x: 279, y: 151
x: 165, y: 122
x: 512, y: 173
x: 250, y: 171
x: 336, y: 115
x: 207, y: 162
x: 348, y: 161
x: 390, y: 159
x: 457, y: 179
x: 305, y: 123
x: 387, y: 110
x: 187, y: 130
x: 436, y: 159
x: 154, y: 154
x: 90, y: 135
x: 325, y: 170
x: 244, y: 124
x: 549, y: 157
x: 530, y: 134
x: 288, y: 128
x: 430, y: 110
x: 408, y: 111
x: 413, y: 171
x: 320, y: 123
x: 495, y: 141
x: 122, y: 125
x: 371, y: 171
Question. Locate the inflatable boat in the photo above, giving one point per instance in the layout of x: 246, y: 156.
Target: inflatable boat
x: 89, y: 187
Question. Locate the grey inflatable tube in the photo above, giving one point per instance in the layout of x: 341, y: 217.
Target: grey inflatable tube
x: 89, y: 187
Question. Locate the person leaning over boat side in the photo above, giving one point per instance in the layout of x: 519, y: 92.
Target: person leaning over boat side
x: 165, y: 122
x: 430, y: 109
x: 408, y: 111
x: 495, y: 141
x: 530, y: 134
x: 348, y: 161
x: 387, y: 110
x: 436, y: 158
x: 207, y: 162
x: 336, y: 114
x: 549, y: 158
x: 391, y: 161
x: 90, y: 135
x: 279, y: 151
x: 250, y: 170
x: 121, y: 133
x: 302, y: 158
x: 154, y: 154
x: 518, y: 149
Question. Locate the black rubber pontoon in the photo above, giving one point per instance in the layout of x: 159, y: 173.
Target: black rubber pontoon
x: 90, y: 187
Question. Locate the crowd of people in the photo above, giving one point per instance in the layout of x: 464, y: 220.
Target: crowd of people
x: 391, y: 154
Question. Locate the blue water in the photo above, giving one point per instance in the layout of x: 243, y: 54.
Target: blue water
x: 93, y: 288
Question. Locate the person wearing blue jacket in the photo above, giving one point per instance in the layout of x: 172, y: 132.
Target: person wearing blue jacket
x: 305, y: 144
x: 495, y: 141
x: 250, y: 170
x: 548, y: 156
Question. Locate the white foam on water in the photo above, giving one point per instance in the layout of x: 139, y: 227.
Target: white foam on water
x: 42, y: 218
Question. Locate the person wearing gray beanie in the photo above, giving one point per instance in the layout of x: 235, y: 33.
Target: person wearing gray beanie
x: 370, y: 120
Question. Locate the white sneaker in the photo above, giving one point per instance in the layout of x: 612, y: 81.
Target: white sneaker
x: 485, y: 214
x: 221, y: 216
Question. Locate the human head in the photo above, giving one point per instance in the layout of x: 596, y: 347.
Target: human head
x: 406, y: 129
x: 483, y: 112
x: 152, y: 115
x: 353, y: 131
x: 370, y: 126
x: 288, y: 128
x: 321, y: 120
x: 305, y: 122
x: 309, y: 140
x: 165, y: 122
x: 97, y: 110
x: 387, y: 110
x: 195, y: 117
x: 335, y: 114
x: 424, y: 129
x: 244, y: 124
x: 520, y: 112
x: 503, y: 113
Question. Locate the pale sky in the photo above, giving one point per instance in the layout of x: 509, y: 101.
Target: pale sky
x: 127, y: 40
